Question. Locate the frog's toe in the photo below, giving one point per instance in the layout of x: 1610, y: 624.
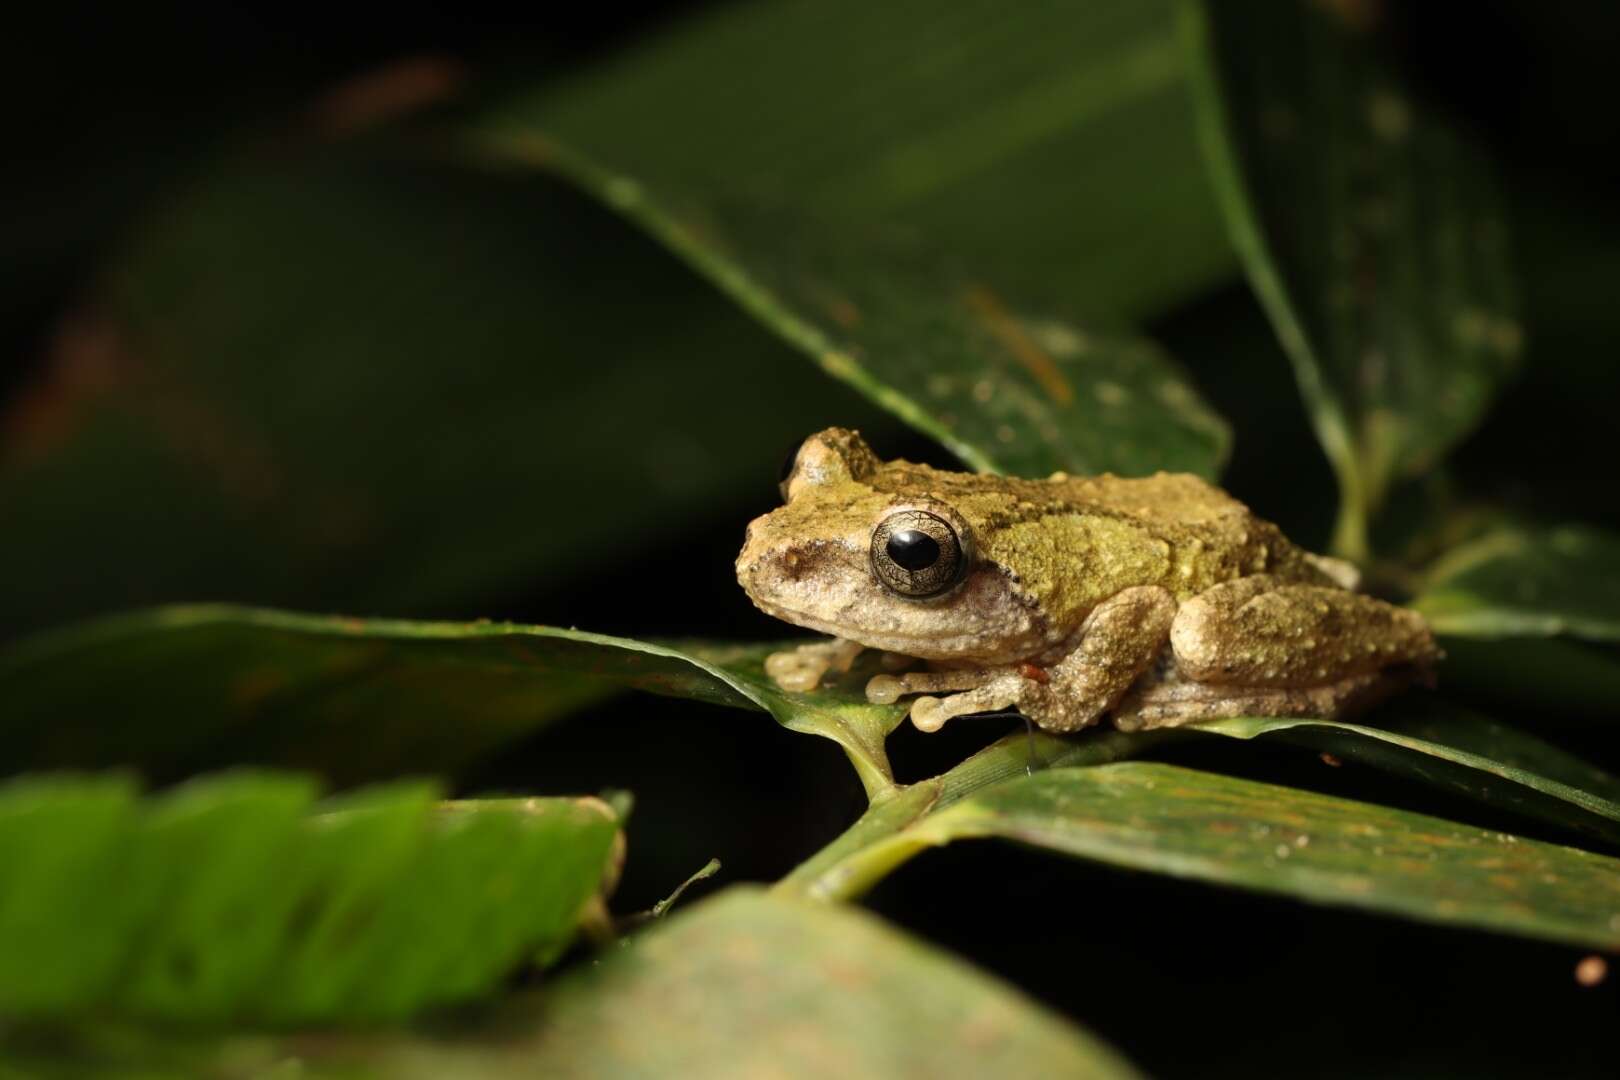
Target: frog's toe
x: 884, y: 689
x: 928, y: 714
x: 795, y: 672
x: 887, y: 689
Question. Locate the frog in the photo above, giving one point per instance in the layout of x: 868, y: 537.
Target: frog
x: 1149, y: 601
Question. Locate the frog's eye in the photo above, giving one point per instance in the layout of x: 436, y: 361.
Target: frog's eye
x: 917, y: 554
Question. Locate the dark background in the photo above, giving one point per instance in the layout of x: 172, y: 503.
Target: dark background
x: 111, y: 105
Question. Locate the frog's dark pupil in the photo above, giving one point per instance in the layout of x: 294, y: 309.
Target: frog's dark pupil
x: 913, y: 550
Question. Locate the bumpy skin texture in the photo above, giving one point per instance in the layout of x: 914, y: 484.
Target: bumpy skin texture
x: 1161, y: 600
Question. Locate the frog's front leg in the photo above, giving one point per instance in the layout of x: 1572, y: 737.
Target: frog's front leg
x: 1118, y: 642
x: 801, y: 668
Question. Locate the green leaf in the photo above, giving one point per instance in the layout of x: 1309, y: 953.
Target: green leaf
x: 1433, y: 742
x: 873, y: 846
x: 1318, y: 848
x: 1017, y: 139
x: 1006, y: 388
x: 238, y: 899
x: 834, y: 233
x: 747, y: 984
x: 741, y: 984
x: 356, y: 378
x: 181, y: 689
x: 1370, y: 230
x: 1527, y: 582
x: 1455, y: 750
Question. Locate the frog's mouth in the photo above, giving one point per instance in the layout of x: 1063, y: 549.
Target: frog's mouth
x: 925, y: 646
x: 1020, y: 638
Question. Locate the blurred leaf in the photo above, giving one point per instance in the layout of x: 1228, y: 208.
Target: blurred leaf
x: 740, y: 985
x: 1449, y: 748
x: 1370, y: 230
x: 181, y: 689
x: 235, y: 899
x: 348, y: 377
x: 1527, y: 582
x: 1007, y: 390
x: 1557, y: 680
x: 747, y: 984
x: 1227, y: 831
x: 1048, y: 147
x: 1493, y: 597
x: 928, y: 216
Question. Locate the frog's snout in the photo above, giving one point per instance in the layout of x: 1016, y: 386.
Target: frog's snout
x: 752, y: 550
x: 757, y: 559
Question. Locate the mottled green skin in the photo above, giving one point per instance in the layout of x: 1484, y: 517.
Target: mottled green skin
x: 1046, y: 552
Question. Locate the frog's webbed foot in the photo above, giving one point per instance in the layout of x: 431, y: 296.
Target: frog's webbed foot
x: 800, y: 669
x: 975, y: 691
x: 887, y: 689
x: 1002, y: 691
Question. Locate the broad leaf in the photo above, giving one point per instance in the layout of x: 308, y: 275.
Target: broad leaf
x: 177, y: 690
x: 741, y: 985
x: 352, y: 378
x: 883, y: 249
x: 747, y: 984
x: 1018, y: 140
x: 1370, y: 230
x: 1008, y: 389
x: 1227, y: 831
x: 1462, y: 752
x: 238, y: 899
x: 1528, y: 582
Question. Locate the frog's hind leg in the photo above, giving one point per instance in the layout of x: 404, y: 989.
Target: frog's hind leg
x: 1261, y: 646
x: 1262, y: 631
x: 1166, y: 700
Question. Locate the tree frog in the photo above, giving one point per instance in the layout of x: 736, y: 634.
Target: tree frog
x: 1155, y: 601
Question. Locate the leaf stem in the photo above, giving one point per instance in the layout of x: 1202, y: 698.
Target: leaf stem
x: 890, y: 832
x: 1350, y: 529
x: 877, y: 780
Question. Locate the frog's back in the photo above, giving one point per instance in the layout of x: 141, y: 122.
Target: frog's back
x: 1171, y: 529
x: 1212, y: 537
x: 1163, y: 499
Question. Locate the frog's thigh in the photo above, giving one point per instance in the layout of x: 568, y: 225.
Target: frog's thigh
x: 1262, y: 631
x: 1118, y: 642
